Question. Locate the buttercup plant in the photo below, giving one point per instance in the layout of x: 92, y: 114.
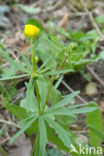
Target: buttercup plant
x: 49, y: 122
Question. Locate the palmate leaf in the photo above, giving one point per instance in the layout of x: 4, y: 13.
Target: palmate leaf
x: 45, y: 48
x: 65, y: 101
x: 15, y: 65
x: 26, y: 119
x: 26, y: 60
x: 97, y: 132
x: 52, y: 137
x: 30, y: 101
x: 95, y: 125
x: 43, y: 86
x: 54, y: 152
x: 3, y: 90
x: 58, y: 82
x: 21, y: 115
x: 22, y: 130
x: 66, y: 120
x: 71, y: 112
x: 46, y: 62
x: 62, y: 133
x: 99, y: 19
x: 55, y: 96
x: 42, y: 136
x: 59, y: 72
x: 17, y: 111
x: 14, y: 77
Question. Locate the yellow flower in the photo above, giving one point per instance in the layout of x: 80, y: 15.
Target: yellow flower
x: 31, y: 31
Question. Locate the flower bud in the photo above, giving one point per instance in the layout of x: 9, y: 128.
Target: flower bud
x: 36, y: 59
x: 35, y: 75
x: 72, y: 45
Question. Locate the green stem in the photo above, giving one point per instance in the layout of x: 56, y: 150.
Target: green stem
x: 34, y: 70
x: 32, y: 56
x: 2, y: 151
x: 35, y: 150
x: 50, y: 87
x: 38, y: 96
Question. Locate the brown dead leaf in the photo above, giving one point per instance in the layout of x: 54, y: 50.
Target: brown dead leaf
x: 63, y: 23
x: 23, y: 49
x: 102, y: 106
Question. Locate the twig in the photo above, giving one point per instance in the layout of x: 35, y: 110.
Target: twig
x: 71, y: 90
x: 95, y: 75
x: 4, y: 65
x: 3, y: 141
x: 78, y: 14
x: 92, y: 20
x: 10, y: 123
x: 14, y: 56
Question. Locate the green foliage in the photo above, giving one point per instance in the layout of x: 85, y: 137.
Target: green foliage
x: 100, y: 19
x: 14, y: 67
x: 42, y: 136
x: 82, y: 53
x: 22, y: 130
x: 54, y: 152
x: 95, y: 125
x: 43, y: 111
x: 30, y: 101
x: 27, y: 9
x: 36, y: 23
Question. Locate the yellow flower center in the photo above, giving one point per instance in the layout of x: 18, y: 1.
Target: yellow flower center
x: 31, y: 31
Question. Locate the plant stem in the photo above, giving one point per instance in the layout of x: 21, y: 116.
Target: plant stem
x: 2, y: 151
x: 32, y: 56
x: 50, y: 87
x: 35, y: 147
x: 34, y: 70
x: 38, y: 96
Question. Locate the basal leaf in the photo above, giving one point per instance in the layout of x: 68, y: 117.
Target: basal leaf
x: 26, y: 60
x: 59, y: 72
x: 100, y: 19
x: 14, y: 77
x: 55, y: 96
x: 45, y: 48
x: 52, y: 137
x: 22, y: 130
x: 62, y: 133
x: 71, y: 112
x: 43, y: 86
x: 65, y: 101
x: 42, y: 136
x: 14, y: 65
x: 30, y: 101
x: 21, y: 115
x: 95, y: 120
x: 54, y: 152
x: 58, y: 82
